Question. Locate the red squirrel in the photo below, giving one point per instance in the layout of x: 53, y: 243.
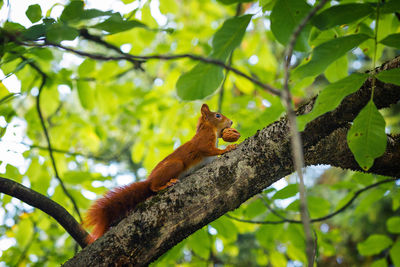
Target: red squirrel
x: 187, y: 158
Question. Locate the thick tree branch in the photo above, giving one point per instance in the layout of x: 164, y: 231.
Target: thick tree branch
x: 46, y: 205
x: 167, y: 218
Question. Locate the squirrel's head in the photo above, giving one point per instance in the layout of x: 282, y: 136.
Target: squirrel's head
x: 216, y: 119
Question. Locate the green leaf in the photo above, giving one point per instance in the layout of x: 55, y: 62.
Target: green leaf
x: 229, y: 2
x: 286, y: 192
x: 331, y: 96
x: 34, y: 13
x: 73, y: 11
x: 229, y: 36
x: 267, y: 5
x: 58, y: 32
x: 87, y: 67
x: 13, y: 26
x: 318, y: 206
x: 116, y: 23
x: 389, y: 76
x: 392, y: 40
x: 23, y: 233
x: 199, y: 82
x: 337, y: 70
x: 374, y: 245
x: 200, y: 243
x: 393, y: 224
x: 380, y: 263
x: 86, y: 95
x: 204, y: 79
x: 390, y: 6
x: 35, y: 32
x: 285, y: 17
x: 366, y: 137
x: 277, y: 258
x: 341, y: 14
x: 326, y: 53
x: 395, y: 253
x: 94, y: 13
x: 38, y: 177
x: 371, y: 197
x: 226, y: 228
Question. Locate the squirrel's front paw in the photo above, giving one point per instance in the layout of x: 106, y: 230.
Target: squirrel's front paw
x: 230, y: 148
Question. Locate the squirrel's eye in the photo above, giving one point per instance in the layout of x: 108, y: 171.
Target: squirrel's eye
x: 218, y: 115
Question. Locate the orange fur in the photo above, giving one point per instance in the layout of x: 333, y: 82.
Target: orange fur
x: 116, y: 203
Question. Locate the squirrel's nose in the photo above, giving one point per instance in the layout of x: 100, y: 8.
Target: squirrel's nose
x: 231, y: 123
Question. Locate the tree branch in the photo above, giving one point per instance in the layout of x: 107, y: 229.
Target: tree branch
x: 46, y: 205
x: 295, y: 139
x: 162, y: 221
x: 320, y: 219
x: 135, y: 58
x: 43, y: 82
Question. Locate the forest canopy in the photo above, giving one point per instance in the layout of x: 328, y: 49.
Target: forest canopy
x: 93, y: 94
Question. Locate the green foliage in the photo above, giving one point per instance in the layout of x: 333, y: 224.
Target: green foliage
x: 34, y: 13
x: 326, y: 53
x: 341, y: 14
x: 395, y: 253
x: 111, y: 123
x: 379, y: 263
x: 204, y: 79
x: 392, y: 40
x: 285, y: 16
x: 331, y: 96
x: 390, y: 76
x: 374, y: 245
x: 286, y: 192
x: 393, y: 224
x: 116, y: 23
x: 367, y: 137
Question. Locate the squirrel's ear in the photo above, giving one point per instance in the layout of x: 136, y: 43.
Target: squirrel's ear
x: 205, y: 110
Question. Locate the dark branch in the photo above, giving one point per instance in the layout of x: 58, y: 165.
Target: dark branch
x: 71, y: 153
x: 130, y: 57
x: 8, y: 97
x: 46, y: 205
x: 320, y: 219
x: 42, y: 121
x: 97, y: 39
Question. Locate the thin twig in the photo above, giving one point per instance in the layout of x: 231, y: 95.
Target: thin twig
x: 42, y: 121
x: 48, y: 206
x: 323, y: 218
x: 97, y: 39
x: 9, y: 97
x: 271, y: 209
x: 129, y: 57
x: 295, y: 139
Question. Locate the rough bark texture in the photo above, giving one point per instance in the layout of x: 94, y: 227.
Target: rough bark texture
x: 169, y: 217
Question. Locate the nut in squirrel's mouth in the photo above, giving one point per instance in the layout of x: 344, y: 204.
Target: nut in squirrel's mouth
x: 220, y: 134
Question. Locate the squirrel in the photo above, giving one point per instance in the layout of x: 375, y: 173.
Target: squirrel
x: 186, y: 159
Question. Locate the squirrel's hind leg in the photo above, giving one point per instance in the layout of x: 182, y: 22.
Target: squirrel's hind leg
x: 166, y: 175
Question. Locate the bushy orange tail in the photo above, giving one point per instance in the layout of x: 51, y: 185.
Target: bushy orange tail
x: 114, y: 205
